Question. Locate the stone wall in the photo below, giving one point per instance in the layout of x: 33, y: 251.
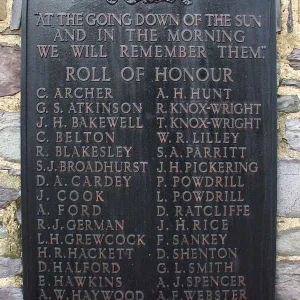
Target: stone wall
x: 288, y: 243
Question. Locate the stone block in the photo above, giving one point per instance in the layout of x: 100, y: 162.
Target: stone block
x: 11, y: 293
x: 290, y: 21
x: 3, y: 232
x: 289, y: 188
x: 10, y: 267
x: 11, y: 171
x: 289, y: 104
x: 288, y: 242
x: 290, y: 82
x: 288, y: 280
x: 16, y: 15
x: 292, y: 128
x: 10, y: 66
x: 294, y: 59
x: 10, y: 136
x: 19, y: 216
x: 278, y: 15
x: 3, y: 10
x: 7, y: 195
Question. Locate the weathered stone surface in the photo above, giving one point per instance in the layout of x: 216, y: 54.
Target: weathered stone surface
x: 278, y: 15
x: 19, y: 216
x: 11, y: 32
x: 11, y: 293
x: 16, y: 15
x: 288, y: 242
x: 7, y: 195
x: 294, y: 59
x: 11, y: 171
x: 288, y: 280
x: 3, y: 232
x: 3, y: 11
x: 4, y: 247
x: 290, y: 82
x: 10, y: 66
x: 14, y: 172
x: 10, y: 267
x: 288, y: 104
x: 290, y: 22
x: 10, y: 136
x: 292, y: 128
x: 289, y: 188
x: 278, y: 69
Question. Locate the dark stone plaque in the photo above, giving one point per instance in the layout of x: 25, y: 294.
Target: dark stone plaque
x: 149, y: 149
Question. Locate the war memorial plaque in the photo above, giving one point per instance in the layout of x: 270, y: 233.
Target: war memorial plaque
x: 149, y: 149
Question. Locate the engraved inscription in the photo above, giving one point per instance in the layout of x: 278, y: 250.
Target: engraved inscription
x: 186, y: 2
x: 149, y: 127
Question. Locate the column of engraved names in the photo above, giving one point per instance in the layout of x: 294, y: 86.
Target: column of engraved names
x: 207, y: 191
x: 81, y: 247
x: 202, y: 173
